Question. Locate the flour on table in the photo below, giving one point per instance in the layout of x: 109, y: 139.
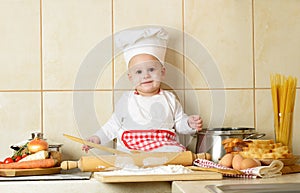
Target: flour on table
x: 152, y: 161
x: 169, y: 169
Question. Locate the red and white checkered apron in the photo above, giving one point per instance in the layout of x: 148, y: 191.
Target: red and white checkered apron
x: 148, y: 140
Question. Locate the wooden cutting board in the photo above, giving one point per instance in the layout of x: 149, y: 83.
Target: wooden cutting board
x: 29, y: 172
x: 291, y: 169
x: 196, y: 175
x: 286, y: 161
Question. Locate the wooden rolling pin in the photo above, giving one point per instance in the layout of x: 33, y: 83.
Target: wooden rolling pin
x: 105, y: 162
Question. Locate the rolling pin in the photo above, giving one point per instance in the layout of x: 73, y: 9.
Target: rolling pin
x: 106, y: 162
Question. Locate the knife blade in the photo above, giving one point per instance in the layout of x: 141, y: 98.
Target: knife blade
x: 95, y: 145
x: 222, y: 171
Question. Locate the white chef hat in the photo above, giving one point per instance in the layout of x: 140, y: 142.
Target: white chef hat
x: 151, y: 40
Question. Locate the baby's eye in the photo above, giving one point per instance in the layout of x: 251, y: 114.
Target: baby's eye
x: 138, y: 72
x: 151, y: 69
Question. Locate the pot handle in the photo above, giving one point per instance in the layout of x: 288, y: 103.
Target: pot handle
x: 255, y: 136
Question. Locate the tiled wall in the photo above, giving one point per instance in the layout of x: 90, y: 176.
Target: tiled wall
x: 58, y: 74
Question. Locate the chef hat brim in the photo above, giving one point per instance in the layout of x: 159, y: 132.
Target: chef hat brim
x: 156, y: 51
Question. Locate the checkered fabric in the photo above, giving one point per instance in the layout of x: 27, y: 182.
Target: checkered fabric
x: 210, y: 164
x: 147, y: 140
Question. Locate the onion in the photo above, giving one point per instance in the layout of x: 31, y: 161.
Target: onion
x: 36, y: 145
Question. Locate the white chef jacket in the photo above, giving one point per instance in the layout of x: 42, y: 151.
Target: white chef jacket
x: 136, y: 112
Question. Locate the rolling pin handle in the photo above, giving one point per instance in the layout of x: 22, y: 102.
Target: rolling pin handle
x: 203, y: 156
x: 67, y: 165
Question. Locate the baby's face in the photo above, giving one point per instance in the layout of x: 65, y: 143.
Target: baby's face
x: 145, y: 73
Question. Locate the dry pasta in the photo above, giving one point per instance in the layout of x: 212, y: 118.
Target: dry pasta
x: 283, y: 96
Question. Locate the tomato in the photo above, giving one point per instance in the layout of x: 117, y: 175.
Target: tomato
x: 18, y: 158
x: 24, y: 155
x: 8, y: 160
x: 1, y: 162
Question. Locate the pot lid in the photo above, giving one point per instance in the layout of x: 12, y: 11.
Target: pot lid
x: 227, y: 130
x: 230, y: 129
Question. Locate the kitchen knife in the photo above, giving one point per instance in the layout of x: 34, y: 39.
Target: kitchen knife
x: 98, y: 146
x: 222, y: 171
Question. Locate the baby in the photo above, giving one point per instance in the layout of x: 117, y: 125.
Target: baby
x: 147, y: 118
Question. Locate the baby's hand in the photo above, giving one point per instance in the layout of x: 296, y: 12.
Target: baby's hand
x: 93, y: 139
x: 195, y: 122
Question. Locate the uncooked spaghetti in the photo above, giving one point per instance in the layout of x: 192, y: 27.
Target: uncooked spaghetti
x: 283, y: 97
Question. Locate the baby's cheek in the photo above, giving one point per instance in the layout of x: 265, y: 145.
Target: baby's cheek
x: 156, y: 77
x: 136, y: 80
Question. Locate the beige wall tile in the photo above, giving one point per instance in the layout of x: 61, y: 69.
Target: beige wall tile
x: 20, y: 44
x: 265, y: 117
x: 230, y: 108
x: 72, y: 32
x: 276, y: 32
x: 175, y: 76
x: 264, y: 113
x: 223, y: 30
x: 20, y: 115
x: 196, y: 78
x: 121, y: 80
x: 79, y: 114
x: 132, y: 13
x: 239, y: 108
x: 104, y: 77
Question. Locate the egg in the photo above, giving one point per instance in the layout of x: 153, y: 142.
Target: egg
x: 249, y: 163
x: 226, y: 160
x: 236, y: 161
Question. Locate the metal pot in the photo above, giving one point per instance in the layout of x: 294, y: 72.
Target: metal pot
x: 53, y: 146
x: 210, y: 140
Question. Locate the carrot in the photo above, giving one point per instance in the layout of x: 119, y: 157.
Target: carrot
x: 43, y: 163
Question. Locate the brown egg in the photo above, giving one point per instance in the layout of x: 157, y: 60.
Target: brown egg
x: 258, y: 162
x: 236, y: 161
x: 226, y: 160
x: 249, y: 163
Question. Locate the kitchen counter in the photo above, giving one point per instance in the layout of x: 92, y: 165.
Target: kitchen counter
x: 93, y: 185
x: 199, y: 186
x: 81, y: 186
